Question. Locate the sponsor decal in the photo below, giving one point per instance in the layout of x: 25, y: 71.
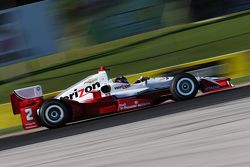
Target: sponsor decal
x: 91, y: 80
x: 78, y: 93
x: 212, y: 87
x: 122, y: 87
x: 125, y: 106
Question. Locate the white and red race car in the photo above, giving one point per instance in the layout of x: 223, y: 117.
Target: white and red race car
x: 99, y: 95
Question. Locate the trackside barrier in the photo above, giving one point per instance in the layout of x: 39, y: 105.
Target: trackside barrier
x: 234, y: 65
x: 7, y: 118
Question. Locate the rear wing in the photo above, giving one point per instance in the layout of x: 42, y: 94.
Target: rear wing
x: 26, y: 102
x: 20, y: 95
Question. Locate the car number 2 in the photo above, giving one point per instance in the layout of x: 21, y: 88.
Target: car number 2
x: 29, y: 116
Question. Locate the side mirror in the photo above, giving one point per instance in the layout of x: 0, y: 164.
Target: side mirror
x: 106, y: 89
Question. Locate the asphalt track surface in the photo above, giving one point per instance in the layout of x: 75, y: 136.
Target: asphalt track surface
x: 212, y: 130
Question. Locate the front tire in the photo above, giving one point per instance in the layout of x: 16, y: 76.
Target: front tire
x: 54, y: 113
x: 184, y: 86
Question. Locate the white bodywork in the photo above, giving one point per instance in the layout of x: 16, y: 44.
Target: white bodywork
x: 82, y: 90
x: 29, y: 92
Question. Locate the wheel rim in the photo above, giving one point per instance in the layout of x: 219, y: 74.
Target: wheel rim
x: 185, y: 86
x: 54, y: 113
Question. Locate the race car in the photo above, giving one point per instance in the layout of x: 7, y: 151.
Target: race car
x: 98, y: 95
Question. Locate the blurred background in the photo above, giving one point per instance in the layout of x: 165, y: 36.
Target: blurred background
x: 31, y: 29
x: 56, y: 43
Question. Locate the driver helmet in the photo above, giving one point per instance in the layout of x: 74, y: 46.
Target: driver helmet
x: 121, y: 79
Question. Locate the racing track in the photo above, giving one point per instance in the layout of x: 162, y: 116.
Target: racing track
x: 212, y: 130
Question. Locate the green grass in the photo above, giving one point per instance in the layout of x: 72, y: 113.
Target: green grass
x: 148, y: 51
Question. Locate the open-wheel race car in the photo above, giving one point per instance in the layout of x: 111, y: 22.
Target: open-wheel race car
x: 99, y: 95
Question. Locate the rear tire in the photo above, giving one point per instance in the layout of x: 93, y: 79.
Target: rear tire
x: 54, y: 113
x: 184, y: 86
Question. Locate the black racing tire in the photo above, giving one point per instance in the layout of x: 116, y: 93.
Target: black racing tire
x: 54, y: 113
x: 184, y: 86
